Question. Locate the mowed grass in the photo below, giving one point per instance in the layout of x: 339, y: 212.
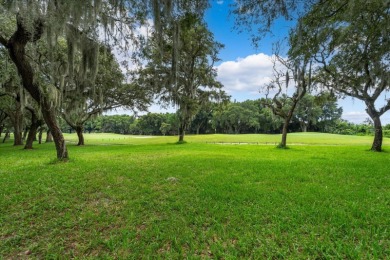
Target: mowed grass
x: 260, y: 139
x: 141, y: 198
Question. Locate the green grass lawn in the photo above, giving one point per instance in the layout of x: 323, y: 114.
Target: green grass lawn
x: 132, y: 197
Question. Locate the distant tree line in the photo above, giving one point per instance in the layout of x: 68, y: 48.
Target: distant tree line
x: 314, y: 114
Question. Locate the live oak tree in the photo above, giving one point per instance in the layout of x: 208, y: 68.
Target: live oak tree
x: 12, y: 96
x: 294, y: 74
x: 46, y: 21
x: 83, y: 100
x: 351, y: 42
x: 181, y: 68
x: 11, y: 105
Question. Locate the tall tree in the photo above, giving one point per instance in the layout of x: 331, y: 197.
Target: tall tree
x: 182, y: 68
x: 295, y: 72
x: 352, y: 45
x: 83, y: 100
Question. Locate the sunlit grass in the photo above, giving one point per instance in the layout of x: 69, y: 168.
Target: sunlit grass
x: 150, y: 198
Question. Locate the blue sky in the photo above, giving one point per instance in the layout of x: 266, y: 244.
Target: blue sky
x: 243, y: 70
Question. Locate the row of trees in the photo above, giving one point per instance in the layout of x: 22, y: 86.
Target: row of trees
x: 56, y: 60
x: 314, y: 113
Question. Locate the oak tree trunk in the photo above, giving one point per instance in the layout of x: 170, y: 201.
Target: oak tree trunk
x: 283, y: 143
x: 378, y: 137
x: 35, y: 123
x: 17, y: 48
x: 182, y: 128
x: 18, y: 140
x: 79, y: 131
x: 17, y: 122
x: 49, y: 116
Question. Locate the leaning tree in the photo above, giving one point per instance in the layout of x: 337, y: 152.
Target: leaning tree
x: 289, y: 75
x: 80, y: 22
x: 352, y: 46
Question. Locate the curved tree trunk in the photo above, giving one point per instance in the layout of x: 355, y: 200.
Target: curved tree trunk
x: 51, y: 121
x: 35, y: 123
x: 17, y: 48
x: 378, y: 137
x: 31, y: 136
x: 79, y: 131
x: 283, y: 143
x: 1, y: 129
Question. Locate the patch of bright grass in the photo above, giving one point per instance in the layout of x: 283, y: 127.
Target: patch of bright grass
x: 148, y: 198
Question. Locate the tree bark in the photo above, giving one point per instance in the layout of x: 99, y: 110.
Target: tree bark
x: 1, y: 129
x: 79, y: 131
x: 283, y: 143
x: 17, y: 122
x: 31, y: 136
x: 378, y: 136
x: 18, y: 140
x: 49, y: 116
x: 182, y: 128
x: 35, y: 123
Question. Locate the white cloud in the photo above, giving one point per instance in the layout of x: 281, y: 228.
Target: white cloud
x: 220, y: 2
x: 247, y: 74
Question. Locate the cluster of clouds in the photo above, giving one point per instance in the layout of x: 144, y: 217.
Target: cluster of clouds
x: 249, y: 74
